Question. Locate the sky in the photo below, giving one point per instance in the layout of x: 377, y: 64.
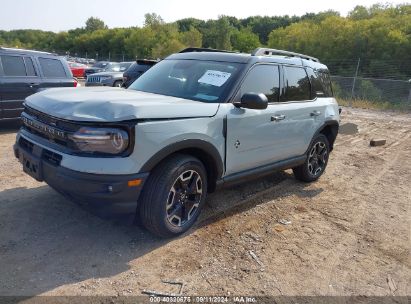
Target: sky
x: 58, y: 15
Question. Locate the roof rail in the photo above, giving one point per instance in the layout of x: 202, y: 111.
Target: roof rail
x: 270, y: 52
x: 194, y: 49
x: 24, y: 50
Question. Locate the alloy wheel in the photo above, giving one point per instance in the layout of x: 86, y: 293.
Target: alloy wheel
x: 184, y: 198
x: 317, y: 159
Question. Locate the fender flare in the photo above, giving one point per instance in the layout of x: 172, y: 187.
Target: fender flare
x: 333, y: 123
x: 196, y: 144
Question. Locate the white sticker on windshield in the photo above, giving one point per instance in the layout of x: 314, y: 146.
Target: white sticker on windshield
x: 215, y: 78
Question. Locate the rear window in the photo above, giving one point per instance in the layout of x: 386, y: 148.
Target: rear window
x: 136, y: 68
x: 13, y: 65
x: 297, y: 84
x: 52, y: 68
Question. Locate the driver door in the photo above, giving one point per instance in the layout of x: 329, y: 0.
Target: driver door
x: 256, y: 137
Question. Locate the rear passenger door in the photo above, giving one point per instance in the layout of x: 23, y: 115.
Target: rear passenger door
x: 19, y: 79
x: 302, y: 113
x: 54, y: 74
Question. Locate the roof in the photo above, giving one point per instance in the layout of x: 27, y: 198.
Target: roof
x: 24, y: 51
x: 259, y: 55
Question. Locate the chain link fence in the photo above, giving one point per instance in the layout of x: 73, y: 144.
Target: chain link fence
x: 387, y: 81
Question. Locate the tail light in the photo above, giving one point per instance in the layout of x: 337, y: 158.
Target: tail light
x: 75, y: 82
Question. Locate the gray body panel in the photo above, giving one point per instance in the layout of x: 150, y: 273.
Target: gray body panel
x: 106, y: 104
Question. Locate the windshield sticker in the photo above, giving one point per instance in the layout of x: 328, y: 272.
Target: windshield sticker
x: 214, y: 78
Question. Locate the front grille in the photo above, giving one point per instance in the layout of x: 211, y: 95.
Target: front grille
x: 93, y: 78
x: 26, y: 145
x: 51, y: 157
x: 48, y: 127
x: 47, y: 155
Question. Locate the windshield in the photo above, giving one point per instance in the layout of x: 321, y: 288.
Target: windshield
x: 206, y: 81
x: 117, y: 67
x: 100, y: 65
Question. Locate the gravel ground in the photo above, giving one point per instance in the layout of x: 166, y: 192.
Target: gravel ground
x: 349, y: 232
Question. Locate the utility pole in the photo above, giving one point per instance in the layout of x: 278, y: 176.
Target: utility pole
x: 355, y: 79
x: 123, y: 56
x: 109, y: 57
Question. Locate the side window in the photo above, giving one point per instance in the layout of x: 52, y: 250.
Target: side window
x: 30, y: 67
x: 263, y: 79
x: 52, y: 68
x: 13, y: 65
x: 297, y: 84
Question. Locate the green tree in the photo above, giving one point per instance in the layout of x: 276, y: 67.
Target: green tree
x: 191, y: 38
x: 245, y: 40
x: 94, y: 24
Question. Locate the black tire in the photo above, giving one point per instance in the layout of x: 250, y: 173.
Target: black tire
x: 316, y: 161
x: 164, y: 209
x: 118, y: 84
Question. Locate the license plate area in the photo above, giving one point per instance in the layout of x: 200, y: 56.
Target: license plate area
x: 32, y: 165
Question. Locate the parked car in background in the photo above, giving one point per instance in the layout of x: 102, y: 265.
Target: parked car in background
x: 112, y: 75
x: 77, y: 69
x: 25, y: 72
x: 137, y: 69
x: 97, y: 67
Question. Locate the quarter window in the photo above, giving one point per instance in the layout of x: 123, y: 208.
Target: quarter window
x: 52, y: 68
x: 297, y: 84
x: 13, y: 65
x: 263, y: 79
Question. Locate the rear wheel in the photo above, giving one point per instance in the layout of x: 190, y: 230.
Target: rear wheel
x: 173, y: 196
x: 316, y: 161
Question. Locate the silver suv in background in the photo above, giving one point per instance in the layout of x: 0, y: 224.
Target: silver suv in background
x: 112, y: 76
x: 195, y: 121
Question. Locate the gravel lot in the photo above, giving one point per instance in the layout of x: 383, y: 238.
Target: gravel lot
x: 349, y: 232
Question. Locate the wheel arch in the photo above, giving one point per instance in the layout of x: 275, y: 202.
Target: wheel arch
x: 204, y: 151
x: 330, y: 130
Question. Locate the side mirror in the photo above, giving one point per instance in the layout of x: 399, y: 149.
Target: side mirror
x: 256, y: 101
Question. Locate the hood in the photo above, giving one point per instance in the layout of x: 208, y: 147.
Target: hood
x: 112, y: 74
x: 106, y: 104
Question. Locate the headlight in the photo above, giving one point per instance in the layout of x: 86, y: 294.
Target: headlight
x: 101, y: 140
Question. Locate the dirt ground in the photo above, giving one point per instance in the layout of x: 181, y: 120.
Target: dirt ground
x: 349, y: 232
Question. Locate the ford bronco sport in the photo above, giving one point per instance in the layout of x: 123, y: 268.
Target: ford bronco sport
x: 197, y: 120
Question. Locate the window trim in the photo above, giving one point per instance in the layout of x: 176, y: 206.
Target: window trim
x: 236, y: 97
x: 13, y: 76
x: 34, y: 66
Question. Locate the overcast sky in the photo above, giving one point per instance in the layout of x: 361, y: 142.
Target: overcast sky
x: 58, y: 15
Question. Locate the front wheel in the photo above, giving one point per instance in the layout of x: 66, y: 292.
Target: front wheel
x: 118, y: 84
x: 316, y: 161
x: 173, y: 196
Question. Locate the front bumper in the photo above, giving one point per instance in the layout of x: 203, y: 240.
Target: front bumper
x: 106, y: 194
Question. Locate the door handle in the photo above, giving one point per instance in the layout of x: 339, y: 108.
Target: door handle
x: 315, y: 113
x: 31, y: 85
x: 277, y: 117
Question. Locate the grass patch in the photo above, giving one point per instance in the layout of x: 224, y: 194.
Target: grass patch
x: 375, y: 105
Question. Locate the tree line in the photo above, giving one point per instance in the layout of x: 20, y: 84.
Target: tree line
x: 380, y: 35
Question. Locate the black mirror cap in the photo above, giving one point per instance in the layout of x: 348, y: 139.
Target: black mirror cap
x: 256, y: 101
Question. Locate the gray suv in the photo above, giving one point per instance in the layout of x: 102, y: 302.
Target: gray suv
x: 196, y: 121
x: 112, y: 75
